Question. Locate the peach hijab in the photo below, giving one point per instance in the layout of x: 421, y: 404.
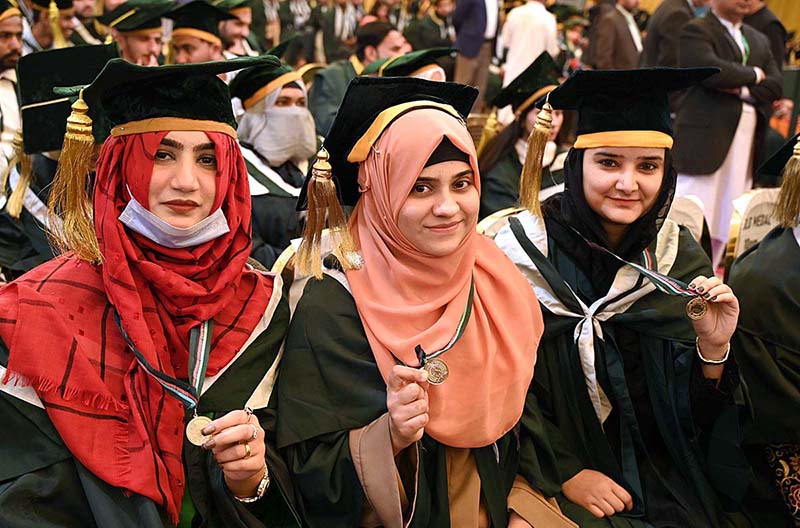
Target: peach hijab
x: 406, y: 298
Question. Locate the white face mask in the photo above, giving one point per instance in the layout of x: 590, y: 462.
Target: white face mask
x: 280, y: 134
x: 147, y: 224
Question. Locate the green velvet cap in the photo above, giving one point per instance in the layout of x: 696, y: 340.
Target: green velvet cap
x: 283, y: 45
x: 618, y: 100
x: 200, y: 16
x: 135, y: 15
x: 564, y: 12
x: 44, y: 114
x: 248, y: 82
x: 365, y: 99
x: 44, y: 5
x: 125, y: 93
x: 229, y: 5
x: 775, y: 164
x: 572, y: 22
x: 541, y: 73
x: 404, y: 65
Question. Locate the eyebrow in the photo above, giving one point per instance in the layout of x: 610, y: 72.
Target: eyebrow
x: 617, y: 156
x: 167, y: 142
x: 425, y: 179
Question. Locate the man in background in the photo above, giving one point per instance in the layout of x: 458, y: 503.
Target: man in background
x: 618, y: 43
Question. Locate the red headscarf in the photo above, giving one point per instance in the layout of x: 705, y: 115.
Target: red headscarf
x: 60, y: 329
x: 405, y: 297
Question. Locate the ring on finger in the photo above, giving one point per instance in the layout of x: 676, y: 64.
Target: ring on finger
x: 255, y: 432
x: 247, y: 452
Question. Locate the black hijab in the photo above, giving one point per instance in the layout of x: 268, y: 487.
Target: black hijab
x: 568, y: 210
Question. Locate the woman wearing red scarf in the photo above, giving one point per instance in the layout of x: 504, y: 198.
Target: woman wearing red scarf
x: 130, y: 365
x: 417, y: 346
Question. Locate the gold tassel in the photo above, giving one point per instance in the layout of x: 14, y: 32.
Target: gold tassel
x: 788, y: 208
x: 490, y: 130
x: 17, y: 197
x: 70, y: 207
x: 530, y: 181
x: 323, y: 205
x: 58, y: 37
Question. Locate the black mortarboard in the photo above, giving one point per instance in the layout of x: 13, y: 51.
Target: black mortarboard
x: 9, y: 9
x: 254, y: 84
x: 125, y: 93
x: 619, y: 101
x: 527, y: 87
x: 406, y: 64
x: 774, y: 165
x: 44, y: 114
x: 198, y: 19
x: 44, y: 5
x: 137, y: 15
x: 282, y: 46
x: 366, y: 98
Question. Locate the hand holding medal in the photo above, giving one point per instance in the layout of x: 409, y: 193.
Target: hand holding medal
x: 715, y: 328
x: 407, y: 401
x: 237, y: 442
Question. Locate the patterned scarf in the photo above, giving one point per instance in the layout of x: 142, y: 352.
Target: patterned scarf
x: 58, y: 322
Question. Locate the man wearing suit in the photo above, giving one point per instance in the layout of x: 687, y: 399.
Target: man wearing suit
x: 720, y: 120
x: 618, y: 43
x: 476, y: 28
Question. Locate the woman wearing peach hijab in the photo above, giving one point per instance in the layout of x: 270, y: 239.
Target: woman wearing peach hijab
x: 403, y: 388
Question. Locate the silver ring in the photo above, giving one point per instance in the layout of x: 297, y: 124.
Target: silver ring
x: 255, y: 432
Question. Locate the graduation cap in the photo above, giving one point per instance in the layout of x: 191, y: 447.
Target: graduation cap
x: 624, y: 108
x: 234, y: 7
x: 198, y: 19
x: 52, y: 9
x: 281, y: 48
x: 535, y: 81
x: 254, y: 84
x: 564, y: 12
x: 786, y: 162
x: 44, y: 114
x: 9, y: 9
x: 574, y: 21
x: 137, y: 15
x: 129, y: 99
x: 45, y: 5
x: 408, y: 64
x: 370, y: 106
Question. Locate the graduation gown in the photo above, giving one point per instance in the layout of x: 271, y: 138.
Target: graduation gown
x: 327, y: 92
x: 766, y: 279
x: 671, y: 438
x: 274, y: 192
x: 42, y: 485
x: 333, y: 431
x: 24, y: 240
x: 500, y: 185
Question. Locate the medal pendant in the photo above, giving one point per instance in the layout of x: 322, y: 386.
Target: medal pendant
x: 437, y: 371
x: 697, y: 308
x: 194, y: 430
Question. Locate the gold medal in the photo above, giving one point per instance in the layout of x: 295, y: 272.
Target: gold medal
x: 437, y: 371
x: 194, y: 430
x: 697, y: 308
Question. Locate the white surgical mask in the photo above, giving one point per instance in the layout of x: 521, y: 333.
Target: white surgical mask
x: 147, y: 224
x: 279, y: 134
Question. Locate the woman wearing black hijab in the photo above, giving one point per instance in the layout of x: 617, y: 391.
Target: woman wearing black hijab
x: 638, y: 398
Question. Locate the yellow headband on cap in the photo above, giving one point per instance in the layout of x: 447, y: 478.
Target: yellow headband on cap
x: 624, y: 138
x: 162, y: 124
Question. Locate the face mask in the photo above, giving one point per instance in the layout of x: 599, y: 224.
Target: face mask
x: 147, y: 224
x: 283, y: 134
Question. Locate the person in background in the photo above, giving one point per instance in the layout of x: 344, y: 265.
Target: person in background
x: 10, y: 52
x: 135, y: 26
x: 338, y: 25
x: 764, y: 20
x: 503, y: 157
x: 421, y: 64
x: 435, y: 29
x: 85, y: 33
x: 45, y: 33
x: 374, y: 41
x: 617, y: 41
x: 476, y: 23
x: 195, y: 32
x: 277, y: 137
x: 725, y: 116
x: 528, y: 31
x: 235, y: 32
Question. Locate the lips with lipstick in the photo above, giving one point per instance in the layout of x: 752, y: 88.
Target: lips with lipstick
x: 445, y: 228
x: 181, y: 206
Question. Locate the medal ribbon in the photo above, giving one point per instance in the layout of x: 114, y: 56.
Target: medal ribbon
x: 663, y: 283
x: 199, y: 351
x: 423, y: 356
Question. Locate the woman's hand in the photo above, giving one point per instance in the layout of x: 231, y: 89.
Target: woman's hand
x: 714, y: 331
x: 407, y: 401
x: 597, y: 493
x: 237, y: 443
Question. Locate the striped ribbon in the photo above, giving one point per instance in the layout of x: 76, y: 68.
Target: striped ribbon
x: 663, y: 283
x: 423, y: 356
x: 199, y: 351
